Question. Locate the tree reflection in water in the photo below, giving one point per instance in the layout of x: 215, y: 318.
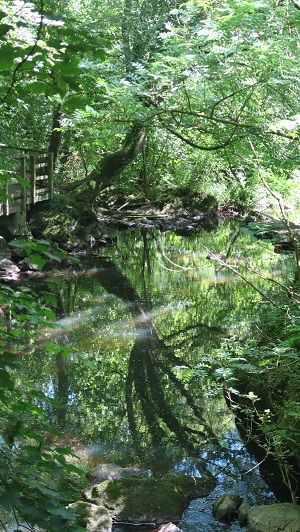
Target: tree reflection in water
x: 137, y: 331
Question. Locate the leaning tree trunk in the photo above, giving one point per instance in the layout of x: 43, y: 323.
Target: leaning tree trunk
x: 110, y: 167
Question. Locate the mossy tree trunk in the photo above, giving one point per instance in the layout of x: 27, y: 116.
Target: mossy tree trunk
x: 110, y: 167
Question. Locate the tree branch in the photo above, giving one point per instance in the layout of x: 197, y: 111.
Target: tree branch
x: 219, y: 120
x: 30, y: 53
x: 199, y: 146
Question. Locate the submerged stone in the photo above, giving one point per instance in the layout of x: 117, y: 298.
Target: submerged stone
x: 243, y: 512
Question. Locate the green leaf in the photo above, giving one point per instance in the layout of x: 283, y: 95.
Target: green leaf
x: 7, y: 56
x: 90, y: 364
x: 5, y: 380
x: 75, y: 102
x: 4, y: 28
x: 23, y: 181
x: 52, y: 256
x: 37, y: 260
x: 9, y: 499
x: 68, y: 67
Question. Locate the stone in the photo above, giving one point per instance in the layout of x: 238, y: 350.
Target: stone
x: 169, y: 527
x: 226, y: 506
x: 133, y: 500
x: 26, y: 265
x: 103, y: 472
x: 5, y: 252
x: 8, y: 270
x: 191, y: 487
x: 54, y: 226
x: 93, y: 517
x: 274, y: 518
x: 243, y: 512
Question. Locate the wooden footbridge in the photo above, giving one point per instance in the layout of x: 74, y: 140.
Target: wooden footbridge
x: 32, y: 181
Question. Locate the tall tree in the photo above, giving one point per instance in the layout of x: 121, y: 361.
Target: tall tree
x: 214, y: 76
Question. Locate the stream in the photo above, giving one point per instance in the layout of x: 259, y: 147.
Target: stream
x: 151, y: 323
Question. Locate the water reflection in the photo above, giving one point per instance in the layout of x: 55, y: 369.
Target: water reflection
x: 140, y: 386
x: 237, y: 473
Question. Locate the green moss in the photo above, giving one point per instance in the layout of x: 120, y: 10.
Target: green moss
x: 137, y: 499
x: 52, y: 226
x: 191, y: 487
x: 91, y: 516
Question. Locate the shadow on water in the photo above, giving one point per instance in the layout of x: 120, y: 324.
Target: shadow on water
x: 146, y: 325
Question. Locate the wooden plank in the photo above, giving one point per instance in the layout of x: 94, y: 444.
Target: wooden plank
x: 41, y: 184
x: 41, y: 171
x: 33, y: 177
x: 50, y: 175
x: 42, y: 159
x: 6, y: 203
x: 23, y: 187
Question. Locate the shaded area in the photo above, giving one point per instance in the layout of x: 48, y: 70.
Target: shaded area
x: 150, y: 375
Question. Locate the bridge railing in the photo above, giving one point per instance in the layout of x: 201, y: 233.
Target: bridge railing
x: 31, y: 182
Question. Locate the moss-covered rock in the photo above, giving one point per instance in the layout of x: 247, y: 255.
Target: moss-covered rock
x: 53, y: 226
x: 133, y: 499
x: 275, y: 517
x: 93, y: 517
x: 191, y: 487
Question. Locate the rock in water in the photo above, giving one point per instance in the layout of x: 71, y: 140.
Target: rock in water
x: 243, y: 512
x: 8, y: 270
x: 274, y: 518
x: 92, y: 517
x: 226, y: 506
x: 169, y: 527
x: 138, y: 501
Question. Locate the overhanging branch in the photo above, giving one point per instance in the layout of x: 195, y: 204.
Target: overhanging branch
x: 218, y: 120
x: 199, y: 146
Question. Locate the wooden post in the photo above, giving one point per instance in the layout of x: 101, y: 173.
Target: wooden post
x: 23, y: 186
x: 6, y: 204
x: 50, y: 174
x: 33, y: 177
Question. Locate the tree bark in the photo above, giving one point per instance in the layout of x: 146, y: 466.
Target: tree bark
x: 110, y: 167
x: 56, y: 135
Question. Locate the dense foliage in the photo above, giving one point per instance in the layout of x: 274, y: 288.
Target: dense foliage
x: 33, y: 477
x: 208, y: 82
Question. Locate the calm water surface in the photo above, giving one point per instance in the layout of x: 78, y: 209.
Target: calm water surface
x: 151, y: 323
